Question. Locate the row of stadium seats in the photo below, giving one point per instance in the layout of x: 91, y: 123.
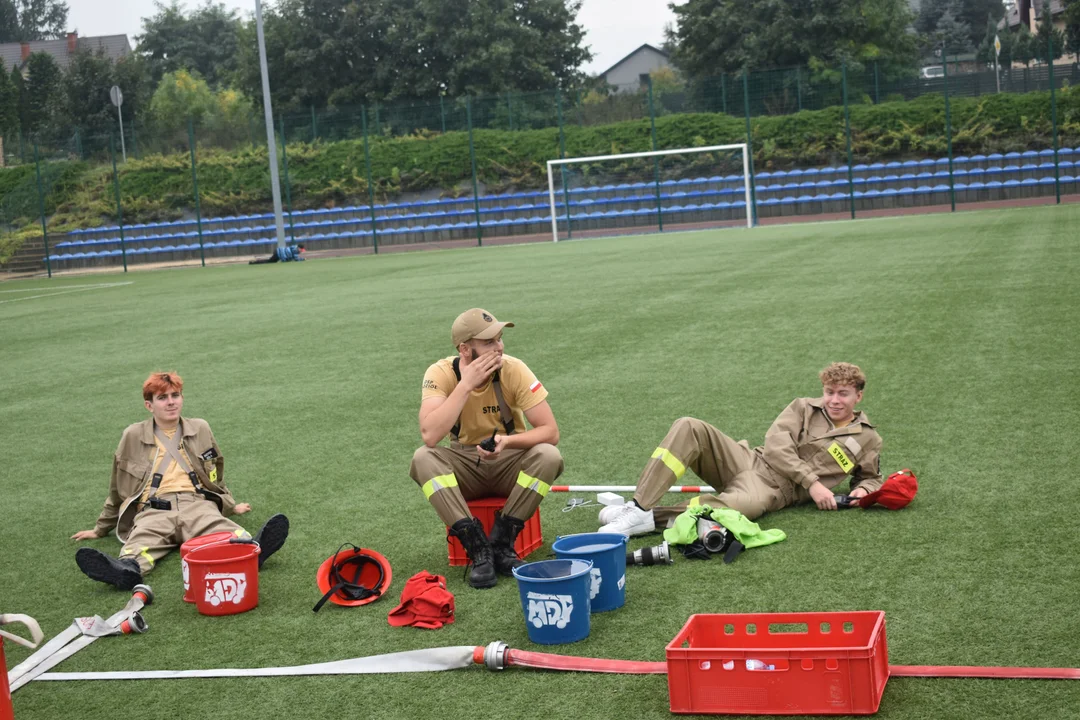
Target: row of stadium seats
x: 539, y: 224
x: 646, y: 198
x: 507, y: 205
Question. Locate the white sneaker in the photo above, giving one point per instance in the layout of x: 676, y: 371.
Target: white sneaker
x: 630, y: 520
x: 607, y: 513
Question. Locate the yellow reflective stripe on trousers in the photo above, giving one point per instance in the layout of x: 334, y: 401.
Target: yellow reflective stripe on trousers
x: 146, y: 555
x: 671, y: 461
x: 436, y: 484
x: 535, y: 484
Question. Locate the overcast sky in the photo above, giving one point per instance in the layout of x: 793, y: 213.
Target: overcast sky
x: 614, y: 27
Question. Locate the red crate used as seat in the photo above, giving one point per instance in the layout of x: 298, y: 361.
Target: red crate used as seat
x: 528, y: 539
x: 807, y: 663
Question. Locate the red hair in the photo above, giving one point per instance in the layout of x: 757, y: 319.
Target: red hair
x: 160, y: 383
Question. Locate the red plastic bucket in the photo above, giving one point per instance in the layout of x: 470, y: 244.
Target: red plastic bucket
x: 225, y: 578
x: 211, y: 539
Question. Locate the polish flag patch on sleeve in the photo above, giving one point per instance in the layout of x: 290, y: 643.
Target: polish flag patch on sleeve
x: 535, y: 386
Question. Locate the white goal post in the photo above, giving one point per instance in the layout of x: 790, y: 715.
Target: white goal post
x: 551, y: 164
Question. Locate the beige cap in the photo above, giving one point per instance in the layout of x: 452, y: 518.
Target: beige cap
x: 478, y: 324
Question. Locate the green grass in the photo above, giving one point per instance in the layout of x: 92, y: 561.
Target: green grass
x: 966, y: 325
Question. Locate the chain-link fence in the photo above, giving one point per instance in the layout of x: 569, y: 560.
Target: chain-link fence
x: 472, y: 170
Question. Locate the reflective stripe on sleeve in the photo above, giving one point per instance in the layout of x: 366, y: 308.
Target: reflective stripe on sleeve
x: 671, y: 461
x: 438, y: 483
x: 537, y: 485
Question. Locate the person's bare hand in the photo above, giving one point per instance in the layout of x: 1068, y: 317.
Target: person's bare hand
x: 477, y: 372
x: 858, y: 492
x: 242, y: 508
x: 500, y: 445
x: 822, y: 496
x: 85, y: 535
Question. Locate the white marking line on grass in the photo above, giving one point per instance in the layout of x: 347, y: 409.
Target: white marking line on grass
x: 70, y: 289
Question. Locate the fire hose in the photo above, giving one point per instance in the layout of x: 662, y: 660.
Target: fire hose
x: 81, y: 633
x: 498, y: 656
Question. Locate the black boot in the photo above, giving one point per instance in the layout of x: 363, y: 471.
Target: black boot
x: 503, y: 535
x: 271, y: 537
x: 471, y: 534
x: 122, y: 573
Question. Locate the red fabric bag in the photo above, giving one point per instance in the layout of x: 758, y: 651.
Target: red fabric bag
x: 425, y: 603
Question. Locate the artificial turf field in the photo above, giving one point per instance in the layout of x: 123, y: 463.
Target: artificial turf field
x: 967, y: 326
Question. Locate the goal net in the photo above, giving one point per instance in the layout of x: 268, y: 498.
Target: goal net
x: 684, y: 189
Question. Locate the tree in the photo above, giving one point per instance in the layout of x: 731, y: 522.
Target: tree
x: 1048, y: 32
x: 1071, y: 16
x: 205, y: 42
x: 343, y: 52
x: 27, y: 20
x: 725, y: 36
x: 181, y: 96
x: 9, y: 22
x: 19, y: 87
x: 1023, y: 46
x: 85, y: 88
x: 42, y: 92
x: 972, y: 14
x: 986, y: 52
x: 9, y: 108
x: 952, y: 33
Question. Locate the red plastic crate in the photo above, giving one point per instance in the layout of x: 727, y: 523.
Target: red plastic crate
x: 528, y: 539
x: 826, y: 663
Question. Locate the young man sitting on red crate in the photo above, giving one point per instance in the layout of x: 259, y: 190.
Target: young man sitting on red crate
x: 810, y: 449
x: 166, y: 488
x: 481, y: 398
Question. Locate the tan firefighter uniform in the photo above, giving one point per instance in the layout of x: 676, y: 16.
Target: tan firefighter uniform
x: 450, y: 476
x: 802, y: 447
x: 149, y: 534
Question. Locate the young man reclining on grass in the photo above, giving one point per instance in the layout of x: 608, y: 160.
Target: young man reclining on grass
x: 808, y: 451
x: 166, y: 488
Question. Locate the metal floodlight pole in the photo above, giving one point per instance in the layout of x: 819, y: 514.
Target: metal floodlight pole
x: 271, y: 141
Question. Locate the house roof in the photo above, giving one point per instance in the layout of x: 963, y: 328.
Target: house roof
x: 115, y: 47
x: 634, y: 52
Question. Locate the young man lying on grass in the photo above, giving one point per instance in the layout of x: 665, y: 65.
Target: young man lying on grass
x: 810, y: 449
x: 166, y: 488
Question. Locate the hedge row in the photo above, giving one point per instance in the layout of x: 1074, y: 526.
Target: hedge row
x: 329, y: 174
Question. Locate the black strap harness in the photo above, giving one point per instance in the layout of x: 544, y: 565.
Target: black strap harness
x: 505, y: 415
x: 351, y: 589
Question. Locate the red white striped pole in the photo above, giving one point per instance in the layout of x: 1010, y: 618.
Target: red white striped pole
x: 629, y: 488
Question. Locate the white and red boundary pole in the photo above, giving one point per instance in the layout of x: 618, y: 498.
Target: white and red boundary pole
x: 629, y: 488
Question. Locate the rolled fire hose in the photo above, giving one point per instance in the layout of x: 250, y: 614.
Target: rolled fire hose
x: 498, y: 656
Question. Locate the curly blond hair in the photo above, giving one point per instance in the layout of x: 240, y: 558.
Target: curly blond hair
x: 842, y: 373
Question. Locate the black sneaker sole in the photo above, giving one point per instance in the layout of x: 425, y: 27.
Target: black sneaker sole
x: 272, y: 536
x: 96, y: 565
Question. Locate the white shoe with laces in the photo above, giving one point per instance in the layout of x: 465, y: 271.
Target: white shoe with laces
x: 630, y: 520
x: 607, y: 513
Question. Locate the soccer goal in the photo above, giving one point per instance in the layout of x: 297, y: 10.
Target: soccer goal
x: 684, y: 189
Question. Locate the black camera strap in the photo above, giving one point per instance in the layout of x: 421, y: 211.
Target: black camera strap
x: 505, y: 415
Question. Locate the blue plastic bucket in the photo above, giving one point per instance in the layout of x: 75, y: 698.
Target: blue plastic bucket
x: 608, y: 554
x: 555, y: 600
